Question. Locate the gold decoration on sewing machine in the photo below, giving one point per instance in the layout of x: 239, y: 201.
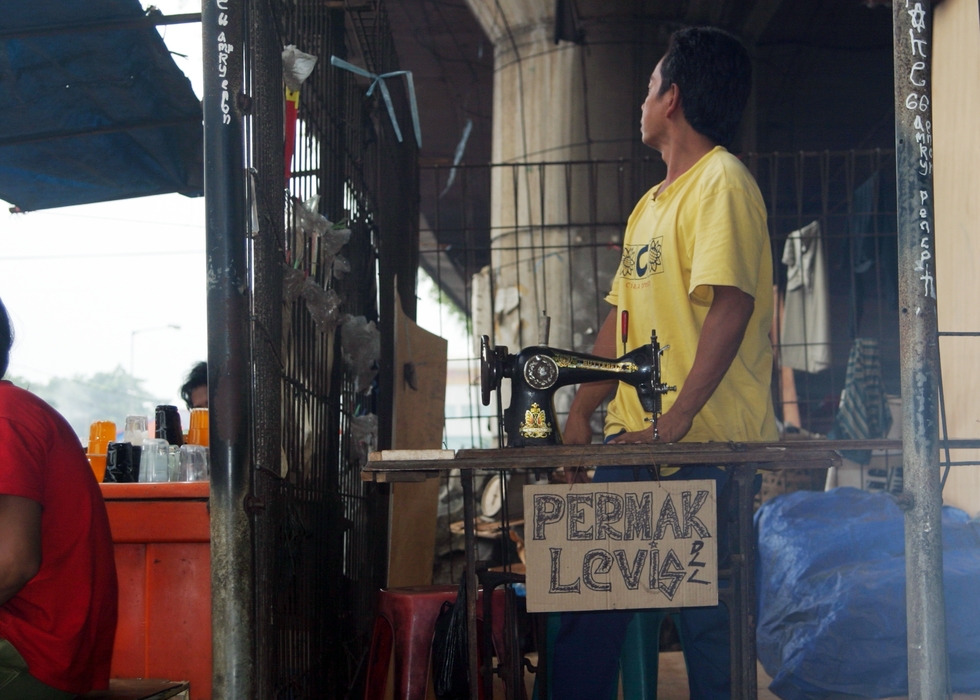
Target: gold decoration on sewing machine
x: 535, y: 426
x: 582, y: 363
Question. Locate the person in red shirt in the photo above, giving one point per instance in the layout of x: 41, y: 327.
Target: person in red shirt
x: 58, y: 590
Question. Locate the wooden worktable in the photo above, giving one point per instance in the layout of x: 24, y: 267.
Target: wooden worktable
x: 414, y: 465
x: 742, y: 458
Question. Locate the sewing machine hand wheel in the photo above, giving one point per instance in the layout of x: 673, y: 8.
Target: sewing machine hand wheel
x: 491, y: 368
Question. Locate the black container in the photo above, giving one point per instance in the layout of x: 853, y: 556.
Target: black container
x: 122, y: 463
x: 168, y: 425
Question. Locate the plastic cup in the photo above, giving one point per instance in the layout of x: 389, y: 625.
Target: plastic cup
x: 155, y: 461
x: 100, y: 434
x: 97, y: 462
x: 173, y: 462
x: 197, y: 434
x: 135, y: 430
x: 168, y: 425
x: 194, y: 463
x: 122, y: 463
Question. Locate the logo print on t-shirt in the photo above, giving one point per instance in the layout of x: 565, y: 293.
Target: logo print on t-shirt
x: 640, y: 261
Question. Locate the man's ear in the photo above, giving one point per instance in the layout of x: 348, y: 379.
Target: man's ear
x: 673, y: 100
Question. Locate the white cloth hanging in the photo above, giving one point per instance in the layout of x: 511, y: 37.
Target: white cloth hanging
x: 805, y: 334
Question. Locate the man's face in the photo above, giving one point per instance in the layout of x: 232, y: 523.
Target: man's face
x: 652, y: 117
x: 199, y: 396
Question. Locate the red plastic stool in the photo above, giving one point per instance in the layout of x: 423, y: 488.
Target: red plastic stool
x: 407, y: 618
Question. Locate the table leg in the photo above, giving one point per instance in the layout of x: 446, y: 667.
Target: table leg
x: 744, y: 681
x: 469, y: 529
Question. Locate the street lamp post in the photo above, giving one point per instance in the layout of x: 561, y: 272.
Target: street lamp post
x: 132, y: 342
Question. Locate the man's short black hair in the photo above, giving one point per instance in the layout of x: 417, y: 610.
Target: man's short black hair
x: 198, y: 376
x: 714, y: 73
x: 6, y: 339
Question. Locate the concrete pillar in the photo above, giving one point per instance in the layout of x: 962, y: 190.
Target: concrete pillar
x: 555, y: 104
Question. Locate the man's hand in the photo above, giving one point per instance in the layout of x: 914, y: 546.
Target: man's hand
x: 578, y: 431
x: 671, y: 427
x: 576, y: 475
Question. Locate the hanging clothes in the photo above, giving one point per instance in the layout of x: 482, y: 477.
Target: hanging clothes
x: 873, y: 250
x: 863, y: 413
x: 805, y: 334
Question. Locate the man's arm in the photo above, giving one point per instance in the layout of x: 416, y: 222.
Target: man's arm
x: 589, y: 395
x: 20, y: 544
x: 578, y: 429
x: 721, y: 335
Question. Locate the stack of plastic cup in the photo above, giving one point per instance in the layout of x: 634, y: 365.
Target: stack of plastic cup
x: 197, y: 434
x: 135, y: 431
x: 100, y: 434
x: 122, y: 463
x: 194, y: 463
x: 168, y: 425
x: 154, y: 461
x: 173, y: 462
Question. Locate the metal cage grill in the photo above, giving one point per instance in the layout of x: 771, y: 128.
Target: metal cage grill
x: 575, y: 213
x: 320, y: 533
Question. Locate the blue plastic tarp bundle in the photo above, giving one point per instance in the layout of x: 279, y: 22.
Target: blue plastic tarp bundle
x: 831, y: 584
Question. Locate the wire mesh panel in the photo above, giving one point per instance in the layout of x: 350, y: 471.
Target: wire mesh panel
x: 320, y: 533
x: 850, y: 196
x: 553, y: 242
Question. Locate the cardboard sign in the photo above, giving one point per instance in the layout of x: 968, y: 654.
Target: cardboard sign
x: 613, y: 546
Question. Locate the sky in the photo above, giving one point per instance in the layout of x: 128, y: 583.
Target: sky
x: 122, y: 284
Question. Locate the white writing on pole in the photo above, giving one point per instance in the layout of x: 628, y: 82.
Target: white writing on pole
x: 917, y: 100
x: 225, y: 48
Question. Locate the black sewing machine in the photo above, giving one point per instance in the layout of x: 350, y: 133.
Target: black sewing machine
x: 536, y: 372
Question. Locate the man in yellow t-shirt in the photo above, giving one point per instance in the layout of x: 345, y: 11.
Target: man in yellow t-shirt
x: 697, y: 268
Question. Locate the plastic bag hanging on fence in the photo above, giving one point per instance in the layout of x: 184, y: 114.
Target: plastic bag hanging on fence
x: 360, y: 341
x: 364, y: 436
x: 340, y: 267
x: 450, y: 650
x: 292, y: 284
x: 323, y: 305
x: 322, y: 237
x: 296, y: 68
x: 330, y: 243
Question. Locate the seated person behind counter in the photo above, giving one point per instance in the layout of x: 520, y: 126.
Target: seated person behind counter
x: 58, y: 592
x: 194, y: 391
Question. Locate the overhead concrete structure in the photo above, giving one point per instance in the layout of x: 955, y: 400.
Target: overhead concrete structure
x: 558, y: 102
x: 567, y: 91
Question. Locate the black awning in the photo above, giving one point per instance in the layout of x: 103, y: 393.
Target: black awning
x: 92, y: 106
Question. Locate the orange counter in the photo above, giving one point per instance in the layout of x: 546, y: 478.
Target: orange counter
x: 161, y: 534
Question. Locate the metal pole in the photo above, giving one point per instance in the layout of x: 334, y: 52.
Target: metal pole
x: 264, y: 71
x: 232, y: 606
x: 469, y: 528
x: 928, y: 669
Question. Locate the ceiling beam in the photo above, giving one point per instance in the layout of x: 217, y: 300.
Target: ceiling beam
x: 758, y: 20
x: 705, y: 12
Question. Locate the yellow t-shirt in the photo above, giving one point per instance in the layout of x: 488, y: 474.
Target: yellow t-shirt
x: 707, y: 228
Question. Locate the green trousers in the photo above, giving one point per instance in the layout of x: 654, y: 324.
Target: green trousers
x: 17, y: 684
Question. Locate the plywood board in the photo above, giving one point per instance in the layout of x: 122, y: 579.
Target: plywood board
x: 627, y: 545
x: 956, y: 104
x: 419, y: 416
